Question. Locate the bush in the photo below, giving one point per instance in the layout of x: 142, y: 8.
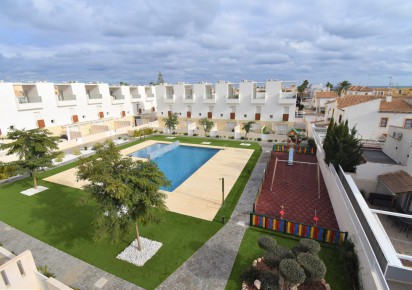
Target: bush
x: 266, y: 243
x: 195, y: 134
x: 298, y: 250
x: 77, y: 152
x: 45, y: 271
x: 85, y: 148
x: 314, y: 268
x: 242, y: 138
x: 291, y: 270
x: 59, y: 157
x: 350, y: 264
x: 217, y: 136
x: 309, y: 245
x: 185, y: 134
x: 231, y: 137
x: 148, y: 131
x: 259, y: 139
x: 277, y: 254
x: 174, y: 133
x: 270, y: 280
x: 270, y: 140
x: 250, y: 275
x: 7, y: 170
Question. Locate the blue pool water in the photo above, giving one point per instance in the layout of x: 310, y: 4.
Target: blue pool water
x: 144, y: 153
x: 180, y: 163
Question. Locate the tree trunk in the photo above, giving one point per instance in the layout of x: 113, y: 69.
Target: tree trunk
x: 139, y: 243
x: 33, y: 173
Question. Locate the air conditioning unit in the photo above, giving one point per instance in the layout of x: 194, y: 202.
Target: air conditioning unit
x: 397, y: 135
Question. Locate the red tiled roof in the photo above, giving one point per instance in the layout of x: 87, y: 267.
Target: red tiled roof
x: 326, y: 95
x: 352, y: 100
x: 359, y: 89
x: 396, y: 105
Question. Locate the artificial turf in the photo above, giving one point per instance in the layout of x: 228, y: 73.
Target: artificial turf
x: 54, y: 217
x: 249, y: 251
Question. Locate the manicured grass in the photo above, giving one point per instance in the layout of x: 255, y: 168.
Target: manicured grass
x: 54, y: 217
x: 249, y: 251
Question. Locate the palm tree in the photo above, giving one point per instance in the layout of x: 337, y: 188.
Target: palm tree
x: 329, y: 85
x: 247, y: 126
x: 343, y: 87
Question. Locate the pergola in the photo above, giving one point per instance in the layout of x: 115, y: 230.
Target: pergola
x: 398, y: 185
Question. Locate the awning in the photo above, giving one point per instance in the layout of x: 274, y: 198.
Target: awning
x: 397, y: 182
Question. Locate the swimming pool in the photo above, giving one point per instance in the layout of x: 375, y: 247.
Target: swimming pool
x: 180, y: 163
x: 144, y: 153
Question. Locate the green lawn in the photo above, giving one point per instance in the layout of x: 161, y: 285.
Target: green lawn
x: 249, y: 251
x: 54, y: 217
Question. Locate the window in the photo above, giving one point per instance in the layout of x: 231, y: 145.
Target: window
x: 271, y: 116
x: 245, y: 116
x: 384, y: 122
x: 408, y: 123
x: 21, y: 269
x: 5, y: 279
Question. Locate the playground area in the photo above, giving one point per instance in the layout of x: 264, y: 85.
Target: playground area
x: 296, y: 191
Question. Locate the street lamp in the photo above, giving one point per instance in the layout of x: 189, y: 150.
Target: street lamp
x: 223, y: 189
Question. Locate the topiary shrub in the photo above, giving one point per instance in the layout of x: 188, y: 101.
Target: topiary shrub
x: 270, y: 280
x: 277, y: 254
x: 242, y: 138
x: 292, y: 271
x: 311, y: 246
x: 314, y: 268
x: 270, y: 140
x: 76, y: 152
x: 185, y: 134
x: 259, y: 139
x: 194, y: 135
x: 266, y: 243
x: 250, y: 275
x: 298, y: 250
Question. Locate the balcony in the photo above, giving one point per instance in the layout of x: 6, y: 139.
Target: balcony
x: 94, y: 99
x: 117, y: 99
x: 234, y: 99
x: 26, y: 103
x: 64, y: 101
x: 259, y: 98
x: 169, y: 99
x: 136, y: 98
x: 287, y: 97
x: 149, y: 96
x: 189, y: 99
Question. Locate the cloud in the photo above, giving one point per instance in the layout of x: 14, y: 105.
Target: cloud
x: 205, y: 40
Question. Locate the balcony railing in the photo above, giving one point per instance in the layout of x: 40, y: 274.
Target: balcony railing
x: 94, y: 99
x: 117, y: 97
x: 68, y: 100
x: 29, y: 103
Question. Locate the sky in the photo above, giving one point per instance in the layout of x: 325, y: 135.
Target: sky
x: 362, y: 41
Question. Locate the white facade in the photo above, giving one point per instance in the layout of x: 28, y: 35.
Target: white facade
x: 229, y: 104
x: 68, y: 107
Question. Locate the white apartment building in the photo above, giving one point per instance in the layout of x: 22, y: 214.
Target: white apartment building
x: 271, y: 104
x: 72, y: 109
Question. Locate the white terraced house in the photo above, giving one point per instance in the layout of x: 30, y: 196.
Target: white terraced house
x: 271, y: 104
x: 78, y: 109
x: 73, y: 109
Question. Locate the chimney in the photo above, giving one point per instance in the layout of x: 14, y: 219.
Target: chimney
x: 388, y: 99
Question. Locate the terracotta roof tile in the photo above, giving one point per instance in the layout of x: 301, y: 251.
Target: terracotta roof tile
x: 398, y: 182
x: 352, y: 100
x: 326, y: 95
x: 360, y: 89
x: 396, y: 105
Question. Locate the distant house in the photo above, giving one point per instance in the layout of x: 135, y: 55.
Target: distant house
x: 371, y: 114
x: 323, y: 97
x: 360, y: 90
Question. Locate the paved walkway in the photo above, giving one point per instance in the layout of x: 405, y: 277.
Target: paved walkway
x: 68, y: 269
x: 210, y: 266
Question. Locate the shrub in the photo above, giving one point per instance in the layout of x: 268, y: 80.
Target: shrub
x: 45, y: 271
x: 314, y: 268
x: 173, y: 133
x: 185, y: 134
x: 250, y: 275
x: 298, y: 250
x: 59, y: 157
x: 311, y: 246
x: 195, y: 134
x: 7, y: 170
x: 85, y: 148
x: 277, y: 254
x: 270, y: 140
x: 351, y: 264
x: 259, y: 139
x: 231, y: 137
x: 148, y: 131
x: 217, y: 136
x: 242, y: 138
x: 266, y: 243
x: 291, y: 270
x: 76, y: 152
x: 270, y: 280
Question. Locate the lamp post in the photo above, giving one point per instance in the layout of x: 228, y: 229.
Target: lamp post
x: 223, y: 189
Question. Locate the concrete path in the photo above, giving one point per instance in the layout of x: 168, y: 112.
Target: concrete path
x: 68, y: 269
x: 210, y: 266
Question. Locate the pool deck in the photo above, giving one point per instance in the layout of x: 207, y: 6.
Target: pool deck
x: 198, y: 196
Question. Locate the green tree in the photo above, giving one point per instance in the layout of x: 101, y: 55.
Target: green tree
x: 343, y: 87
x: 207, y: 125
x: 34, y: 148
x: 303, y: 87
x: 329, y: 85
x: 126, y: 192
x: 160, y: 79
x: 171, y: 121
x: 247, y: 127
x: 342, y: 147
